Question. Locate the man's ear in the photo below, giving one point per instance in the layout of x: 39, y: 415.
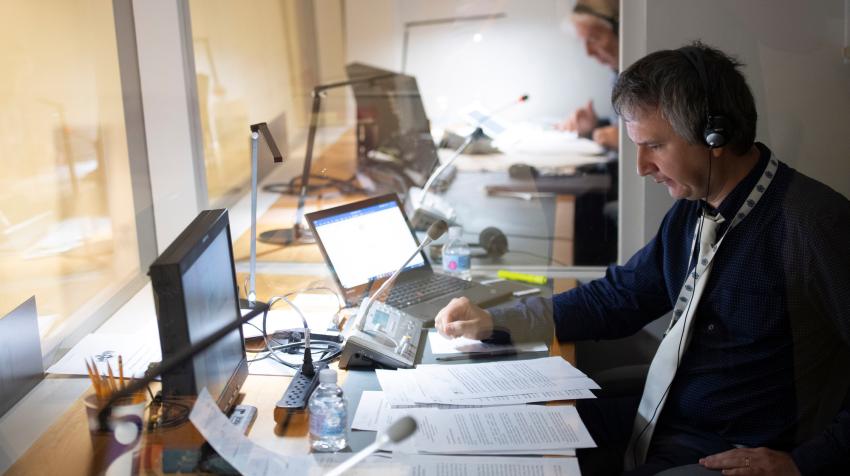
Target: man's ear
x: 718, y: 152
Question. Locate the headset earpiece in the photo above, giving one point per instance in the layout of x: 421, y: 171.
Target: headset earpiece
x: 493, y: 241
x: 715, y: 132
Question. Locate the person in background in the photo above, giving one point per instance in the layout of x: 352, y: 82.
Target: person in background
x: 597, y: 24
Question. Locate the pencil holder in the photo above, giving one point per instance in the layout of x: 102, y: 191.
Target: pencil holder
x: 116, y: 451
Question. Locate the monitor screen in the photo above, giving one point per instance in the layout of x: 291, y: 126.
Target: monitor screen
x: 196, y: 294
x: 380, y: 235
x: 391, y: 119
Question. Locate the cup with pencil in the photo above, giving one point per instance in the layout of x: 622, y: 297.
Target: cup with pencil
x: 115, y: 451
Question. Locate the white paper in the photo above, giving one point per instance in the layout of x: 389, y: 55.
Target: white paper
x: 431, y: 465
x: 373, y: 412
x: 269, y: 366
x: 428, y: 384
x: 243, y: 454
x: 521, y: 429
x: 441, y: 345
x: 494, y: 379
x: 136, y: 354
x: 318, y: 309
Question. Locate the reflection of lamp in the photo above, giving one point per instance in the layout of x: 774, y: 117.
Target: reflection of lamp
x: 256, y: 130
x: 298, y: 234
x: 218, y: 89
x: 441, y: 21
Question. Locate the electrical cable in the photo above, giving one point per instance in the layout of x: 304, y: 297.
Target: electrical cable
x: 525, y: 237
x: 550, y: 259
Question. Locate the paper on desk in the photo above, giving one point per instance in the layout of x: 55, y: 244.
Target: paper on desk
x: 136, y: 354
x: 243, y: 454
x: 269, y: 366
x: 318, y: 309
x: 431, y: 465
x: 495, y: 379
x: 521, y: 429
x: 417, y: 386
x: 460, y: 345
x: 374, y: 411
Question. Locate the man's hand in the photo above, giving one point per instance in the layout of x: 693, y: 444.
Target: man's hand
x: 607, y: 136
x: 461, y: 318
x: 752, y: 461
x: 582, y: 121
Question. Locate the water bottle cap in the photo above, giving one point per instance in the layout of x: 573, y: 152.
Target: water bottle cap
x: 327, y: 376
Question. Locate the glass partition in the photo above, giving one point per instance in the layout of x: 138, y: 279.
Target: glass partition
x: 67, y: 216
x: 514, y: 69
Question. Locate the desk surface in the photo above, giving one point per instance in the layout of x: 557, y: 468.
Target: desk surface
x: 65, y: 448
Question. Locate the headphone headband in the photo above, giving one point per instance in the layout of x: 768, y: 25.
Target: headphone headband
x: 714, y: 133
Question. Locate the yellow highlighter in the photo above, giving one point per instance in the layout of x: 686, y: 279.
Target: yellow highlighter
x: 526, y: 278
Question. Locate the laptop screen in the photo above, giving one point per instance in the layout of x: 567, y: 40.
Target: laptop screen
x: 368, y: 243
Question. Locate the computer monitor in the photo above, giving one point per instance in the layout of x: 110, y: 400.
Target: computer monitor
x: 391, y: 119
x: 195, y: 290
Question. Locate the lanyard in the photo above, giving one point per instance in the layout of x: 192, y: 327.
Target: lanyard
x: 687, y: 291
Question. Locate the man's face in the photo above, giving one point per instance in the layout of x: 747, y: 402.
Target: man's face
x: 600, y: 42
x: 667, y: 157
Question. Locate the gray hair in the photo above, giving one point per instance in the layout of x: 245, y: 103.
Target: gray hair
x: 667, y: 80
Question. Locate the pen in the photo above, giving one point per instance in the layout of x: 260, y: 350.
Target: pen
x: 526, y: 292
x: 477, y: 355
x: 121, y: 371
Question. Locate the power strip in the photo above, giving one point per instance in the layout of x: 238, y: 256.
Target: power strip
x: 299, y: 390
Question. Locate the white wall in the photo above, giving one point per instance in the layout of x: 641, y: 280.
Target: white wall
x: 533, y: 50
x: 794, y: 65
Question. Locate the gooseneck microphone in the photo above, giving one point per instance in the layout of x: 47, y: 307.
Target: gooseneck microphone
x: 169, y: 364
x: 399, y: 431
x: 435, y: 231
x: 475, y: 135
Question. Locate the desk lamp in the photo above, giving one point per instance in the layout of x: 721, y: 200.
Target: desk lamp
x: 256, y: 130
x: 298, y: 233
x: 439, y: 21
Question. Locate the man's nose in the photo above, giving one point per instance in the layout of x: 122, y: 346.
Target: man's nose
x: 644, y: 165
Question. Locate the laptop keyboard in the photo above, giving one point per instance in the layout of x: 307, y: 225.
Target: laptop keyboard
x: 421, y: 290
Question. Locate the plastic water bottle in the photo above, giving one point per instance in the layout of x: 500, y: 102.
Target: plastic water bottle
x: 328, y: 415
x: 456, y: 254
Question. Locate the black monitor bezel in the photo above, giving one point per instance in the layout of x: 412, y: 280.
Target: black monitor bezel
x: 166, y: 274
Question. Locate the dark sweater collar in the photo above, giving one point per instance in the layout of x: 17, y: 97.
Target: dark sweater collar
x: 730, y: 205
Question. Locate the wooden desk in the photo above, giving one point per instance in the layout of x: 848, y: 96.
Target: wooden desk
x: 66, y: 448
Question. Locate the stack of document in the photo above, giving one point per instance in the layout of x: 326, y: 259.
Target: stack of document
x: 500, y: 430
x: 486, y: 384
x: 479, y: 408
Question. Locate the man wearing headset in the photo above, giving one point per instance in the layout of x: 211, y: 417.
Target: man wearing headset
x: 753, y: 262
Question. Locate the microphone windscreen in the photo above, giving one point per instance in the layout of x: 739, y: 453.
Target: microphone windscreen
x: 401, y: 429
x: 437, y: 229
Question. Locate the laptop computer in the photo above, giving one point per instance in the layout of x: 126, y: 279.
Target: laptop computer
x: 365, y: 242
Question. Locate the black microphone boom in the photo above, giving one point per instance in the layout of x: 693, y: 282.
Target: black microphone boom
x: 169, y: 364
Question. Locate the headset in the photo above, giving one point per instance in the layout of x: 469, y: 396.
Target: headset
x: 715, y: 133
x: 492, y: 243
